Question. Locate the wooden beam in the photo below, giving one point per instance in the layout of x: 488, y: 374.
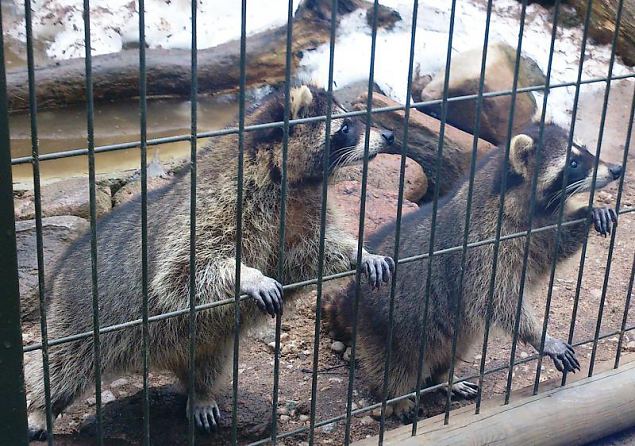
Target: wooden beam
x: 580, y: 412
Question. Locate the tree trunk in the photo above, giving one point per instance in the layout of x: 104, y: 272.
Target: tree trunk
x: 116, y: 76
x: 602, y: 26
x: 423, y: 140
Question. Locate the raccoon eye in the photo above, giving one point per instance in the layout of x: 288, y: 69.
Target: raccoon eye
x: 344, y: 128
x: 573, y: 164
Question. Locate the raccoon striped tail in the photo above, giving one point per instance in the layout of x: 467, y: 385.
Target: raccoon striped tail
x: 337, y: 312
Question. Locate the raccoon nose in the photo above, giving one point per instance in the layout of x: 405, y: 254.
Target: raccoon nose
x: 388, y: 136
x: 616, y: 171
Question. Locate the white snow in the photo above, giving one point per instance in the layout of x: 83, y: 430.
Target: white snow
x: 115, y: 22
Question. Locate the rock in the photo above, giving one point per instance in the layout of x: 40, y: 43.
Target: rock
x: 381, y: 206
x: 58, y: 233
x: 499, y: 74
x: 107, y: 397
x: 329, y: 427
x: 347, y: 354
x: 118, y: 383
x: 383, y: 173
x: 367, y: 420
x: 630, y: 347
x: 304, y: 418
x: 132, y: 189
x: 66, y: 197
x: 284, y: 418
x: 283, y: 410
x: 524, y: 355
x: 338, y: 347
x: 423, y: 141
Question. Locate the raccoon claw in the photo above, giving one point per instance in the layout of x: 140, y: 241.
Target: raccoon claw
x: 603, y: 220
x: 378, y: 269
x: 267, y: 293
x: 466, y: 390
x: 562, y: 354
x: 207, y: 416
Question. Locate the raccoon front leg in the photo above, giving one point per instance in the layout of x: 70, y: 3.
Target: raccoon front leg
x: 339, y: 246
x: 603, y: 220
x: 530, y: 332
x: 267, y: 292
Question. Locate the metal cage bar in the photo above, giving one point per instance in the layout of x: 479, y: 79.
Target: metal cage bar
x: 12, y: 393
x: 16, y: 400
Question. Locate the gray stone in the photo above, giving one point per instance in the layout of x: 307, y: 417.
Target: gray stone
x: 338, y: 347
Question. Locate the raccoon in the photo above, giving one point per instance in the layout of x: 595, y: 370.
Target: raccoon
x: 446, y: 293
x: 119, y: 257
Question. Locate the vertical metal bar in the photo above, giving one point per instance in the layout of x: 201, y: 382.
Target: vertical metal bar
x: 504, y: 170
x: 402, y: 174
x: 470, y: 191
x: 35, y: 150
x: 627, y: 306
x: 607, y: 271
x: 362, y: 214
x: 574, y: 113
x: 325, y: 182
x: 283, y: 213
x: 143, y: 111
x: 13, y: 408
x: 534, y: 183
x: 627, y: 303
x: 192, y: 302
x: 435, y: 208
x: 239, y: 213
x: 90, y: 126
x: 499, y: 219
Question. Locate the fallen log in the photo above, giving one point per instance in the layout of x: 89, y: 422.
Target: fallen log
x: 602, y: 26
x: 116, y: 76
x: 423, y: 140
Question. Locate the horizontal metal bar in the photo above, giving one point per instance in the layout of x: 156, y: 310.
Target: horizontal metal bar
x: 425, y: 390
x: 251, y: 128
x: 296, y: 285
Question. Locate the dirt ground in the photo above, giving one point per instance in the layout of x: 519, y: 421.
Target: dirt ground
x: 123, y: 413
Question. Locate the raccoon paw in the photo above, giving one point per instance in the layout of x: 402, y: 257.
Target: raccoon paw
x: 377, y: 268
x: 267, y: 293
x: 36, y: 434
x: 466, y: 390
x: 562, y: 354
x: 206, y: 415
x: 603, y: 220
x: 404, y: 410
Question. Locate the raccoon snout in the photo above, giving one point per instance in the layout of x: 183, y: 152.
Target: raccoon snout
x: 388, y: 136
x: 616, y: 170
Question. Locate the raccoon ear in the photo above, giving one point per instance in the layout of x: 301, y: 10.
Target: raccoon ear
x: 301, y: 99
x: 521, y: 149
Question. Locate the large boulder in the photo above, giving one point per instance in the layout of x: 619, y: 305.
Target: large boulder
x: 132, y: 189
x: 423, y: 142
x: 66, y: 197
x: 381, y: 206
x: 384, y: 172
x: 57, y: 233
x: 464, y: 80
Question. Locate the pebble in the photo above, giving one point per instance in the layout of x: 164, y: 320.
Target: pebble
x: 338, y: 347
x: 272, y: 345
x: 366, y: 420
x: 283, y: 410
x: 304, y: 418
x: 328, y: 427
x: 524, y: 354
x: 347, y: 354
x: 284, y: 337
x: 119, y: 383
x: 284, y: 418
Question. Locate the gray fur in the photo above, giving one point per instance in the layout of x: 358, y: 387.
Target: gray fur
x: 119, y: 259
x: 445, y: 292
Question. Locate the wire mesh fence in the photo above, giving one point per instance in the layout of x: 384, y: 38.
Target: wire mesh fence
x: 14, y: 411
